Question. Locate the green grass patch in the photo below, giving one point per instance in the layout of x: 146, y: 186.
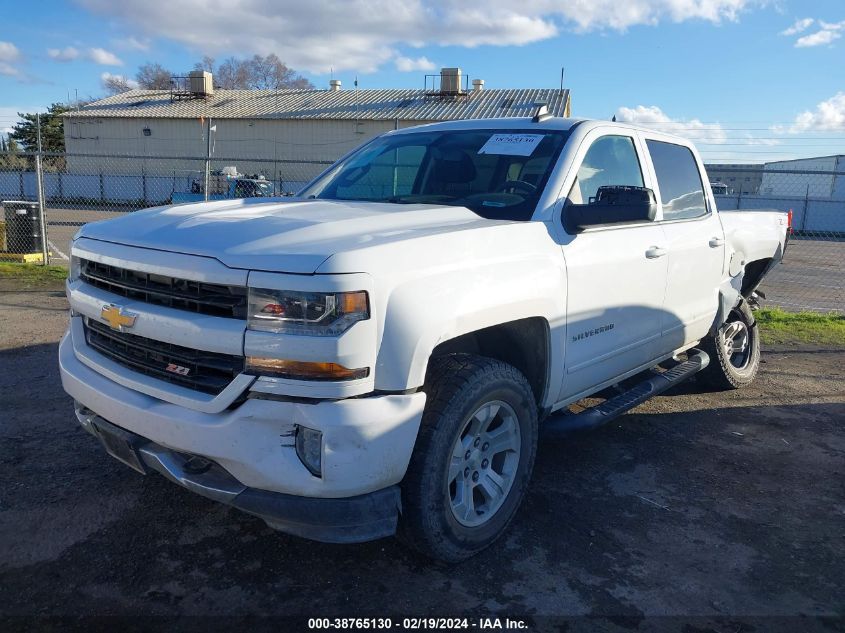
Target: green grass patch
x: 779, y: 326
x: 32, y: 274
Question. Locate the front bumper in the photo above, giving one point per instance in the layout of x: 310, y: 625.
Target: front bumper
x: 348, y: 520
x: 367, y: 442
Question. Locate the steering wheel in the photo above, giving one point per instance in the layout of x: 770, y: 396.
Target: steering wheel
x: 527, y: 187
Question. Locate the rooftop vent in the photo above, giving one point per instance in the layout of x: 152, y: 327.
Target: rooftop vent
x: 450, y: 81
x: 334, y: 85
x: 197, y: 85
x: 477, y: 85
x: 449, y: 84
x: 200, y: 83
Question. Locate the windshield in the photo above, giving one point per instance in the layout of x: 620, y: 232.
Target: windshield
x: 498, y: 174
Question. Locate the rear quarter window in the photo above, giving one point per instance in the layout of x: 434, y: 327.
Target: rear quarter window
x: 681, y: 189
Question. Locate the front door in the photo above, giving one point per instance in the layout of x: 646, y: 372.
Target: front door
x: 616, y: 275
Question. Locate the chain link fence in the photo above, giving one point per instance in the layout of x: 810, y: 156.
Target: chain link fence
x: 80, y: 188
x: 812, y: 275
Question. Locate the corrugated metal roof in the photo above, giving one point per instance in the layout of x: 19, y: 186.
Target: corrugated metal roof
x: 372, y: 105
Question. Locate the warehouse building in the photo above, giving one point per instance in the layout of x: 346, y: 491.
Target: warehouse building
x: 277, y: 133
x: 738, y: 178
x: 820, y: 177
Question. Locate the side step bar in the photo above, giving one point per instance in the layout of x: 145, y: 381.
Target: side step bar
x: 624, y: 402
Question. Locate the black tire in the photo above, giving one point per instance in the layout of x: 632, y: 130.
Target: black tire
x: 732, y: 370
x: 457, y: 387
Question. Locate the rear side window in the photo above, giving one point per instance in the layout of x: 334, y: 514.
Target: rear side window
x: 679, y: 181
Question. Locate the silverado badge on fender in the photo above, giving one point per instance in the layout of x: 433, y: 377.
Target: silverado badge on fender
x: 116, y: 317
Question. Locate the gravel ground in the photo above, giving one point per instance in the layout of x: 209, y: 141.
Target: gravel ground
x: 696, y: 512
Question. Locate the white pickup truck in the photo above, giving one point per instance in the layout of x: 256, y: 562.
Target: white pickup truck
x: 381, y: 354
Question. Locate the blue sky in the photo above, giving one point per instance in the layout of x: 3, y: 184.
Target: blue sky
x: 747, y: 79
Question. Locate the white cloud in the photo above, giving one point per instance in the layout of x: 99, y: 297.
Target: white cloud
x: 107, y: 76
x: 103, y: 57
x: 363, y: 34
x: 9, y: 115
x: 829, y: 116
x: 799, y: 27
x: 827, y: 33
x: 817, y: 39
x: 64, y: 54
x: 406, y: 64
x: 133, y: 43
x: 9, y: 53
x: 653, y: 117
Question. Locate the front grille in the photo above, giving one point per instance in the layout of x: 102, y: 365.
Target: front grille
x: 209, y: 372
x: 181, y: 294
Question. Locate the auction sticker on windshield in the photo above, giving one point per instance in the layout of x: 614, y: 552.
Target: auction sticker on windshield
x: 511, y: 144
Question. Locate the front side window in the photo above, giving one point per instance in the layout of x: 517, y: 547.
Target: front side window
x: 611, y: 161
x: 679, y: 181
x: 498, y: 174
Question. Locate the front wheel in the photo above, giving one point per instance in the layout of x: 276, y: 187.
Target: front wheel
x: 473, y: 458
x: 734, y: 351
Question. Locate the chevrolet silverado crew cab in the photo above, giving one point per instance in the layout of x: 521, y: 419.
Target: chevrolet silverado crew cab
x: 382, y: 353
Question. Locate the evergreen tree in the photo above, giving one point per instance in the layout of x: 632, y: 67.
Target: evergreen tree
x: 52, y: 130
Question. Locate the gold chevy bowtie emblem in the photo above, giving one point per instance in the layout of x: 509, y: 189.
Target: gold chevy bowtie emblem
x: 116, y: 317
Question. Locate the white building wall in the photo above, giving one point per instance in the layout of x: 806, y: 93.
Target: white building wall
x: 777, y: 183
x: 117, y: 144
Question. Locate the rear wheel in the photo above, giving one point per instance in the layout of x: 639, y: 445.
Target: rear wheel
x: 473, y: 457
x: 734, y: 351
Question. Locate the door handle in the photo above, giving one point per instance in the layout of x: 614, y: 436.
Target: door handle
x: 716, y: 242
x: 654, y: 252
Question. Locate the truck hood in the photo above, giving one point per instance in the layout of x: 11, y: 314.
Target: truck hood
x: 294, y: 236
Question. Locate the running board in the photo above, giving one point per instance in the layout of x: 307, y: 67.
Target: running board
x: 624, y: 402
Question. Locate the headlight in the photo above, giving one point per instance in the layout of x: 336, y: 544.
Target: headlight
x: 308, y: 313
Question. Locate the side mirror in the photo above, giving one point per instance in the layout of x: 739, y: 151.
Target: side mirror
x: 612, y: 205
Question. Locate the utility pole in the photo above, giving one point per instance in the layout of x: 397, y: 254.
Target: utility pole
x: 39, y: 183
x: 207, y: 157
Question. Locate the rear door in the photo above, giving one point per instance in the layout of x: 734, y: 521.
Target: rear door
x: 694, y: 241
x: 616, y: 275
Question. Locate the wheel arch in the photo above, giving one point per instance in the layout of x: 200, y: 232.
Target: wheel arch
x: 523, y: 343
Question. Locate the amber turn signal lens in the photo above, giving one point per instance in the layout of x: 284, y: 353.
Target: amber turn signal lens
x: 302, y: 370
x: 353, y: 302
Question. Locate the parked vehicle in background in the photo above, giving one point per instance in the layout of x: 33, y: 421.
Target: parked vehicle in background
x: 384, y: 352
x: 222, y: 186
x: 719, y: 188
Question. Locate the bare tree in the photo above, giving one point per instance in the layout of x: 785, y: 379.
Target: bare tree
x: 258, y: 73
x: 114, y: 84
x: 207, y: 64
x: 232, y: 74
x: 153, y: 77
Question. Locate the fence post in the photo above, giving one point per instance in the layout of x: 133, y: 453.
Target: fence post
x: 806, y: 207
x: 39, y: 185
x: 207, y: 157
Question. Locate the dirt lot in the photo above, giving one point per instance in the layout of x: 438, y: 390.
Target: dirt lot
x: 699, y: 511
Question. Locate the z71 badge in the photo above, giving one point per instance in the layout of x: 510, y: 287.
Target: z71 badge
x: 177, y: 369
